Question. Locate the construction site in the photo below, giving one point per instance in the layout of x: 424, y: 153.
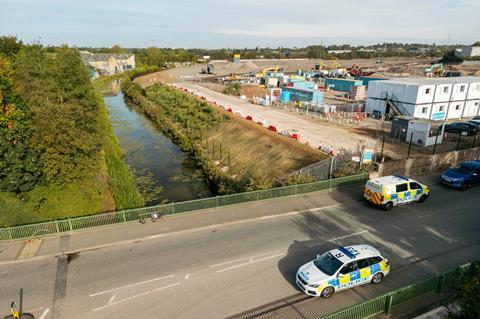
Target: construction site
x: 344, y: 108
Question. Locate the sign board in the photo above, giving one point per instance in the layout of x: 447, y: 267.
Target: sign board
x: 438, y: 116
x: 367, y: 156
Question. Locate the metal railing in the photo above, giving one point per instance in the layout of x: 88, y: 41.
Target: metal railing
x: 139, y: 214
x: 395, y: 103
x: 385, y: 302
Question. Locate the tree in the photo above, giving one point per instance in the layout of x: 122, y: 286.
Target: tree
x: 64, y: 110
x: 9, y: 46
x: 117, y: 49
x: 20, y: 168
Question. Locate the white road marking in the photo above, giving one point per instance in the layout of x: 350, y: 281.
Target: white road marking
x: 250, y: 262
x: 44, y: 314
x: 244, y: 258
x: 136, y: 296
x: 436, y: 233
x: 112, y: 298
x: 337, y: 238
x: 131, y: 285
x: 186, y: 276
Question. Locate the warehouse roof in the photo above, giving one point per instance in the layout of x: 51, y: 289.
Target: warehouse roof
x: 97, y: 57
x: 433, y: 81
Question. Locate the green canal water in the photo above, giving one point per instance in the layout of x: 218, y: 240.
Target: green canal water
x: 159, y: 165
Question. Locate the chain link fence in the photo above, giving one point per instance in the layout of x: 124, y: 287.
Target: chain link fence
x: 140, y: 214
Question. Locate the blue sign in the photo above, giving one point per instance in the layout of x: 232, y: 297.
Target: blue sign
x: 367, y: 156
x: 438, y: 116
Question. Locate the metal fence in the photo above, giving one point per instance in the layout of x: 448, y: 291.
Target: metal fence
x: 100, y: 220
x: 384, y: 303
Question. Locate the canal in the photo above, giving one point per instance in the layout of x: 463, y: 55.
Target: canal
x: 158, y: 164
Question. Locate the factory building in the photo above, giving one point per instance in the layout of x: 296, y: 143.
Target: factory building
x: 426, y: 98
x: 468, y: 51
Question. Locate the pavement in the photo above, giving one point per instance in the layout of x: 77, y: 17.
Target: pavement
x: 223, y: 262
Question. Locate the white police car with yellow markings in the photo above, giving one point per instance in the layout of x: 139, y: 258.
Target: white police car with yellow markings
x: 394, y: 190
x: 342, y: 268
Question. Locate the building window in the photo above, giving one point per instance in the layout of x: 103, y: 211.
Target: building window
x: 445, y: 89
x: 440, y: 108
x: 427, y: 91
x: 457, y: 107
x: 424, y: 110
x: 462, y: 88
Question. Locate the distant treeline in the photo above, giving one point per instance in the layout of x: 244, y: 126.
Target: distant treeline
x: 154, y: 56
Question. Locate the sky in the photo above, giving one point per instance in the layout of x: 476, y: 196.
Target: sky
x: 240, y: 23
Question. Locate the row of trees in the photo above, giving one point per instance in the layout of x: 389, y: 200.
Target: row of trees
x: 154, y: 56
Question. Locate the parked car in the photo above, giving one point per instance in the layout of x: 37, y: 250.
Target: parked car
x: 461, y: 128
x: 476, y: 123
x: 463, y: 175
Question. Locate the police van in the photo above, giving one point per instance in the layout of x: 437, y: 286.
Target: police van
x: 342, y: 268
x: 394, y: 190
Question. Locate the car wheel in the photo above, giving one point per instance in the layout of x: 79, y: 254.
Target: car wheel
x: 388, y: 206
x: 377, y: 278
x: 423, y: 198
x: 464, y: 186
x: 327, y: 292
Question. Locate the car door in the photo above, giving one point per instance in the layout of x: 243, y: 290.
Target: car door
x: 475, y: 177
x: 416, y: 190
x: 403, y: 194
x: 346, y: 274
x: 365, y: 270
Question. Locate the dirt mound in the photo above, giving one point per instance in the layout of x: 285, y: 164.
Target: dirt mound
x: 251, y: 65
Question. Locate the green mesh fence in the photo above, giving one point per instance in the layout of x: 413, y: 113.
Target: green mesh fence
x: 384, y: 303
x: 100, y: 220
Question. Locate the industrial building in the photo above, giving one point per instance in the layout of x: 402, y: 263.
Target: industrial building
x: 427, y: 98
x: 107, y: 63
x: 468, y: 51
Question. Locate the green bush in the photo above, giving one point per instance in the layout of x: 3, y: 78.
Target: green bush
x: 469, y: 298
x: 232, y: 88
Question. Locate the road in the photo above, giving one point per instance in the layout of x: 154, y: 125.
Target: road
x: 315, y: 133
x: 216, y: 273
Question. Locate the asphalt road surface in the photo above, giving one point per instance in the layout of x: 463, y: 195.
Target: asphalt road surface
x: 221, y: 272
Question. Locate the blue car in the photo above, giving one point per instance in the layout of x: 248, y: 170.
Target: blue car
x: 463, y: 175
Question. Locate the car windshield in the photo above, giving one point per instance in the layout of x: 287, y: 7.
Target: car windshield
x: 460, y: 169
x: 327, y: 263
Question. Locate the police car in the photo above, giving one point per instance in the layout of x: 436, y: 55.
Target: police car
x: 342, y: 268
x: 394, y: 190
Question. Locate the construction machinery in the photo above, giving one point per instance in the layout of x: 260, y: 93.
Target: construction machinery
x: 355, y: 71
x: 208, y: 70
x: 435, y: 70
x: 266, y: 70
x: 321, y: 66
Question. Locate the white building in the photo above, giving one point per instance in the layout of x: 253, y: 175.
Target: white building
x: 427, y: 98
x: 467, y: 52
x: 108, y: 63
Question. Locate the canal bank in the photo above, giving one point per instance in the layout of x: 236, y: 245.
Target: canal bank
x: 162, y: 171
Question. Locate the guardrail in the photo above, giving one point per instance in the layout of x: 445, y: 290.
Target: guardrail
x: 139, y: 214
x: 385, y: 302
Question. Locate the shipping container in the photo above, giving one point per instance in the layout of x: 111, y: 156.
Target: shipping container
x: 344, y: 85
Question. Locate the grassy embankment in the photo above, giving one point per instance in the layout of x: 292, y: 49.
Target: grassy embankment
x: 234, y: 154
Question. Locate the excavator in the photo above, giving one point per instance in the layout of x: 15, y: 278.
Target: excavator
x: 436, y: 70
x: 262, y: 73
x: 355, y: 71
